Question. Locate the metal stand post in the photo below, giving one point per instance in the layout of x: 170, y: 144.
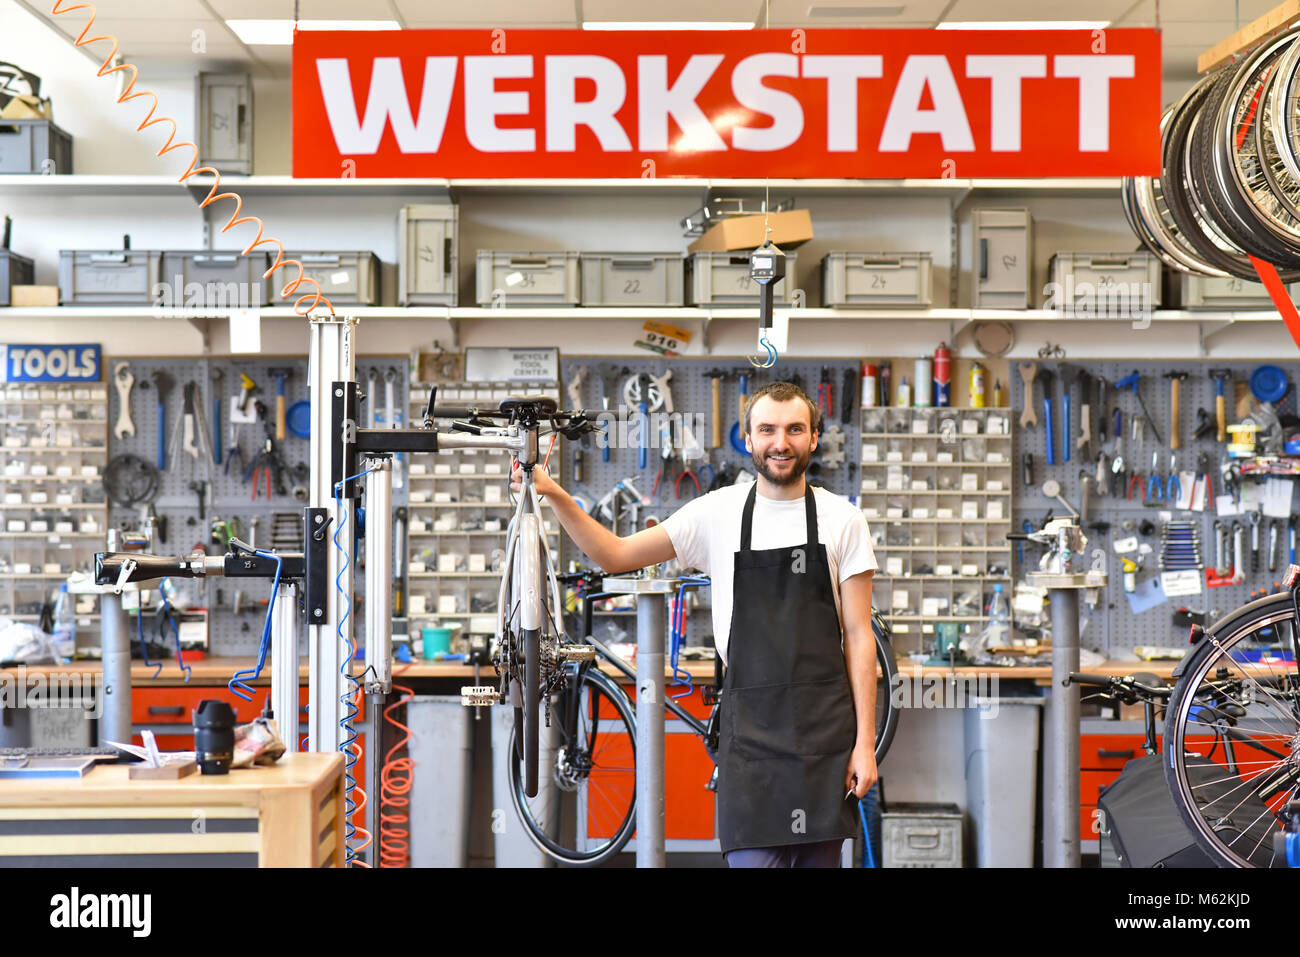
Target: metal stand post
x: 284, y: 664
x: 1061, y: 793
x: 115, y: 689
x: 651, y: 619
x: 332, y: 360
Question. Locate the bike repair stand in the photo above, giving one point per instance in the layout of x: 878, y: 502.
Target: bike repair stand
x: 1061, y: 803
x: 651, y: 621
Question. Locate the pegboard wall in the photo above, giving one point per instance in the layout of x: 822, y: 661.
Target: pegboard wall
x: 692, y: 393
x: 1112, y: 624
x: 230, y: 495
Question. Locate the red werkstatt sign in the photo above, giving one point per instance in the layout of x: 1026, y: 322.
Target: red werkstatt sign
x: 878, y: 104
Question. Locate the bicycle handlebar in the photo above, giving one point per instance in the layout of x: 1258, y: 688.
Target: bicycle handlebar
x: 1123, y: 683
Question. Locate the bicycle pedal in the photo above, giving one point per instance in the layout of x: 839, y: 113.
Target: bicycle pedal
x: 478, y: 696
x: 577, y: 653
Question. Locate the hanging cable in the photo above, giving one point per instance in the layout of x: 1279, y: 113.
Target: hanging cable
x: 238, y: 685
x: 395, y: 780
x: 129, y: 93
x: 144, y: 645
x: 167, y: 616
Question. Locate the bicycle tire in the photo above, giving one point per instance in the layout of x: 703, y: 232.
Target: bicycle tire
x: 612, y: 783
x: 1202, y: 709
x: 528, y: 578
x: 886, y: 723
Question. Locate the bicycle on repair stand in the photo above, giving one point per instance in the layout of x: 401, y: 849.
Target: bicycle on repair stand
x: 531, y: 651
x: 585, y: 810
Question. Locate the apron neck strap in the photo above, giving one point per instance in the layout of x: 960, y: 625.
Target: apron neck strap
x: 747, y: 519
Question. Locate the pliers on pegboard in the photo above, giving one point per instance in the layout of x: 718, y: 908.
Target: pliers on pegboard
x: 677, y: 482
x: 826, y: 394
x: 1173, y: 485
x: 1135, y: 478
x: 1155, y: 489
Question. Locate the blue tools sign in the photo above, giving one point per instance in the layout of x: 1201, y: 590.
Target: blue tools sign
x: 50, y: 363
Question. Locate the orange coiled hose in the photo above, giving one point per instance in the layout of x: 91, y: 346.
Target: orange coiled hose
x: 395, y: 785
x: 359, y: 832
x: 130, y: 93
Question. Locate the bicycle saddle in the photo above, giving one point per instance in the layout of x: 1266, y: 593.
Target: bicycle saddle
x: 540, y: 404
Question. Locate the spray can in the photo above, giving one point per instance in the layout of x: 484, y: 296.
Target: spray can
x: 870, y: 384
x: 885, y: 390
x: 942, y: 376
x: 999, y: 397
x: 904, y: 393
x: 976, y: 386
x: 922, y: 383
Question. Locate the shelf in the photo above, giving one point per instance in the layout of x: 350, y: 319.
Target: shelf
x: 79, y: 618
x: 48, y: 535
x: 200, y: 185
x: 944, y: 491
x: 924, y: 618
x: 431, y: 615
x: 464, y: 505
x: 61, y: 449
x: 50, y: 478
x: 946, y: 521
x: 36, y: 576
x: 466, y: 475
x: 56, y: 421
x: 934, y: 435
x: 942, y: 578
x: 940, y: 548
x: 496, y: 575
x: 51, y: 506
x: 938, y: 465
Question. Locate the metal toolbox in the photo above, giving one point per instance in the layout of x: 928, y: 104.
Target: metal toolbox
x: 223, y: 106
x: 1223, y: 292
x: 876, y: 279
x: 921, y: 835
x: 34, y: 146
x: 722, y: 278
x: 1104, y: 283
x: 346, y: 278
x: 15, y: 270
x: 427, y: 255
x: 632, y: 279
x: 527, y: 279
x: 124, y: 277
x: 227, y: 279
x: 1003, y: 268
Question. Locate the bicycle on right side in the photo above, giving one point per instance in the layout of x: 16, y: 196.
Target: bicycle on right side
x: 1232, y: 730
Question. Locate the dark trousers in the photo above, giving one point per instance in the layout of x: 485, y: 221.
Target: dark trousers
x: 820, y: 854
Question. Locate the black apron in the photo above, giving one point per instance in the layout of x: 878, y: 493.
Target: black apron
x: 788, y: 723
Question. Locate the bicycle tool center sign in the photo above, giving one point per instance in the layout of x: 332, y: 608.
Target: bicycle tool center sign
x: 49, y: 363
x: 878, y: 104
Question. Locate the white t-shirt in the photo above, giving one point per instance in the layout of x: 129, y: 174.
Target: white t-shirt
x: 705, y: 533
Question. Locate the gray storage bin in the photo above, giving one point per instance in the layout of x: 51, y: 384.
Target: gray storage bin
x: 123, y: 277
x: 346, y: 278
x: 229, y: 280
x: 722, y: 278
x: 1003, y: 268
x: 1129, y: 280
x: 1001, y: 741
x: 223, y: 108
x: 1223, y: 292
x: 15, y: 270
x: 427, y: 255
x: 876, y: 279
x: 441, y: 750
x: 511, y: 844
x: 921, y: 835
x: 527, y: 279
x: 632, y: 279
x: 27, y: 145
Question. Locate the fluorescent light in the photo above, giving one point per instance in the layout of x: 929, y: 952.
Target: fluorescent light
x: 279, y: 33
x: 667, y: 25
x: 1023, y: 25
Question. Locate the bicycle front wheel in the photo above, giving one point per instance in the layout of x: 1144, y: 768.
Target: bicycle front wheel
x: 1231, y: 731
x: 585, y: 809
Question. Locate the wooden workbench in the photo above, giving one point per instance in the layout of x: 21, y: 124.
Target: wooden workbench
x: 289, y: 814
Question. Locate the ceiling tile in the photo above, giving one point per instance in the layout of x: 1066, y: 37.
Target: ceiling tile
x: 1037, y: 10
x: 253, y: 9
x: 795, y: 13
x: 494, y: 12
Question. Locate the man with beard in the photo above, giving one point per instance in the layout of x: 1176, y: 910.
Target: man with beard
x: 791, y: 568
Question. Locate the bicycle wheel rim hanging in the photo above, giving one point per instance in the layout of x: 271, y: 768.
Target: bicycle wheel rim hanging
x: 1227, y: 789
